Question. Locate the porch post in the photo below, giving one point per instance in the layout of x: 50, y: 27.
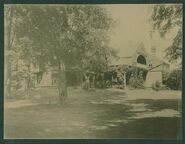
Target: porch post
x: 124, y: 79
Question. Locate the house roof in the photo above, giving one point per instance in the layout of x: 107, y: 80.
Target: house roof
x: 131, y: 49
x: 122, y: 61
x: 128, y: 60
x: 154, y: 59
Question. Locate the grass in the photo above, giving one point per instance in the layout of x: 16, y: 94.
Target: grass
x: 160, y: 104
x: 108, y: 113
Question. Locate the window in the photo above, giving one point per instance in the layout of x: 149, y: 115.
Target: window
x: 141, y: 59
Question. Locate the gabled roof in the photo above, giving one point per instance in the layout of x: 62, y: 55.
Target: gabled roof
x: 130, y: 52
x: 122, y: 61
x: 154, y: 59
x: 140, y: 49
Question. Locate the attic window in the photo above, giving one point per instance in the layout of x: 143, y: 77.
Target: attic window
x: 141, y: 59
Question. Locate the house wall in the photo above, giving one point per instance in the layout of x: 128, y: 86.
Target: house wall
x: 46, y: 79
x: 152, y: 77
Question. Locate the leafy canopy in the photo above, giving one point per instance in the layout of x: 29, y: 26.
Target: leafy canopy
x: 165, y: 18
x: 77, y: 35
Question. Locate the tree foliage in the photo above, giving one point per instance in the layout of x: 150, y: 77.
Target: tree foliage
x: 164, y: 18
x: 63, y: 36
x: 174, y: 80
x: 72, y: 34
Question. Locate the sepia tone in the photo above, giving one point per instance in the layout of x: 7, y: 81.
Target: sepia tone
x: 93, y: 71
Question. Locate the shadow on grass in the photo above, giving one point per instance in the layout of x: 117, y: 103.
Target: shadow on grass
x: 147, y: 128
x: 109, y: 119
x: 160, y: 104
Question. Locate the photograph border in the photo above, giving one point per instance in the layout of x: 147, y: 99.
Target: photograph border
x: 82, y: 141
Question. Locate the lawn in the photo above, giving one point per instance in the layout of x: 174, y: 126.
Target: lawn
x: 107, y: 113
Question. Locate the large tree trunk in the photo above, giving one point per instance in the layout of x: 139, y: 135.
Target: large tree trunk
x: 62, y: 82
x: 81, y: 79
x: 8, y: 78
x: 28, y: 85
x: 86, y: 84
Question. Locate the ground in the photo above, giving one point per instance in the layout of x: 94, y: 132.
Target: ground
x: 107, y: 113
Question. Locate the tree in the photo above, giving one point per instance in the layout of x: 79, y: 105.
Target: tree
x: 16, y: 50
x: 65, y: 36
x: 174, y: 80
x: 8, y: 50
x: 27, y: 56
x: 165, y: 18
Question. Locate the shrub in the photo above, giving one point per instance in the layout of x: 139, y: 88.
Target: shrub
x: 136, y: 81
x: 174, y: 80
x: 157, y: 86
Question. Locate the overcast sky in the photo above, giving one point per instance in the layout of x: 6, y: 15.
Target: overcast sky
x: 133, y: 27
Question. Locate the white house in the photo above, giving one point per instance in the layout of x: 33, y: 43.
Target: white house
x: 140, y: 58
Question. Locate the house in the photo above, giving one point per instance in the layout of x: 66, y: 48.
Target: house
x: 49, y: 77
x: 148, y: 62
x: 151, y: 66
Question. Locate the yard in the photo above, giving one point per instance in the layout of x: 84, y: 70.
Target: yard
x: 107, y: 113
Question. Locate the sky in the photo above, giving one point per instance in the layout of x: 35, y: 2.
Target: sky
x: 133, y: 27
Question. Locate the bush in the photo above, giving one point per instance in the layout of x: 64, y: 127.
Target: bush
x: 157, y: 86
x: 174, y: 80
x: 136, y: 81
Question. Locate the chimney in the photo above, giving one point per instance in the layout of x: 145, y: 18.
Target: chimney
x: 153, y: 50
